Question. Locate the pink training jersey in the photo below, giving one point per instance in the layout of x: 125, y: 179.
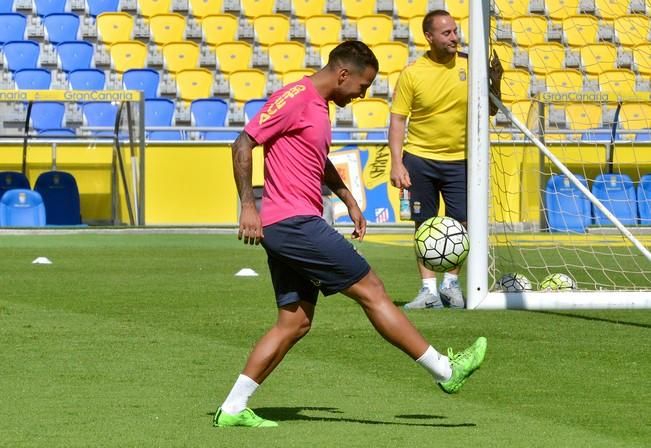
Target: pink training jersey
x: 294, y: 128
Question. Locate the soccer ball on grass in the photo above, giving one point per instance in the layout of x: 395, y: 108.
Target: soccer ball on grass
x: 514, y: 282
x: 557, y: 282
x: 441, y: 243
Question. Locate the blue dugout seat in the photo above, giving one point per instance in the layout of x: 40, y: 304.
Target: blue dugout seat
x: 60, y: 196
x: 11, y: 180
x: 644, y: 200
x: 617, y: 193
x: 568, y: 209
x: 22, y: 208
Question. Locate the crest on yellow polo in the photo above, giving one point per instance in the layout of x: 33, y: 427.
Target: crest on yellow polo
x: 441, y: 243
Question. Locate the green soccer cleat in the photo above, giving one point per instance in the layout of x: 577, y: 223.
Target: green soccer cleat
x: 246, y: 418
x: 463, y: 365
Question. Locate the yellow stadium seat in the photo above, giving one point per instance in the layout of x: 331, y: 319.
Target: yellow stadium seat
x: 509, y: 9
x: 632, y: 29
x: 286, y: 56
x: 581, y: 116
x: 325, y: 52
x: 114, y: 27
x: 127, y: 55
x: 271, y: 28
x: 463, y: 29
x: 529, y: 30
x: 370, y: 113
x: 203, y: 8
x: 392, y: 56
x: 166, y: 28
x: 504, y: 53
x: 194, y: 83
x: 296, y: 75
x: 179, y: 56
x: 516, y: 85
x: 218, y: 28
x: 149, y: 8
x: 458, y: 9
x: 609, y: 9
x: 322, y: 29
x: 580, y: 30
x: 374, y: 29
x: 354, y: 9
x: 392, y: 79
x: 563, y: 81
x: 521, y: 109
x: 558, y: 10
x: 595, y: 58
x: 620, y: 82
x: 254, y: 8
x: 303, y: 9
x: 232, y: 56
x: 634, y: 116
x: 406, y: 9
x: 416, y: 35
x: 642, y: 59
x: 248, y: 85
x: 546, y: 57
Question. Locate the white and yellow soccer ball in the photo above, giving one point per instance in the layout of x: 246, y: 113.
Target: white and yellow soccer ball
x: 514, y: 282
x: 557, y: 282
x: 441, y: 243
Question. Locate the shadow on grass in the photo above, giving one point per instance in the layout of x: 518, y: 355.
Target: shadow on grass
x: 595, y: 319
x: 326, y: 414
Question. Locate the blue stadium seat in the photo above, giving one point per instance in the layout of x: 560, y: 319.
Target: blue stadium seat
x: 159, y: 112
x: 75, y: 55
x: 341, y: 135
x: 46, y: 7
x: 166, y: 135
x: 599, y: 135
x: 33, y: 78
x: 7, y: 6
x: 57, y: 132
x: 377, y: 135
x: 644, y: 200
x: 61, y: 27
x: 47, y: 115
x: 210, y: 112
x: 87, y: 79
x: 145, y: 79
x: 568, y: 210
x: 20, y: 54
x: 12, y: 27
x: 644, y: 137
x: 101, y: 114
x: 617, y: 193
x: 61, y: 198
x: 221, y: 136
x: 22, y: 208
x: 252, y: 107
x: 96, y: 7
x: 10, y: 180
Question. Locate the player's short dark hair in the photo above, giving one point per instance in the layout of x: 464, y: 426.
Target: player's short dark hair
x: 427, y: 20
x: 355, y: 53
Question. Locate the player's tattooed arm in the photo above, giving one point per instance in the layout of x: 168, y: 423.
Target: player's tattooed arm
x: 243, y: 167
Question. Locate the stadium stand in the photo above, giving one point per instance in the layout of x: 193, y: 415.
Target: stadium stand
x: 96, y: 7
x: 179, y: 56
x: 580, y: 30
x: 7, y: 6
x: 20, y: 54
x: 302, y: 9
x: 218, y: 28
x: 529, y: 30
x: 150, y: 8
x: 210, y: 112
x: 617, y: 193
x: 231, y: 56
x: 354, y: 9
x: 47, y: 115
x: 254, y: 8
x: 114, y: 27
x: 75, y: 55
x: 145, y: 79
x: 87, y: 79
x: 128, y: 55
x: 252, y: 107
x: 374, y: 29
x: 202, y: 8
x: 61, y: 27
x: 44, y: 7
x: 559, y: 10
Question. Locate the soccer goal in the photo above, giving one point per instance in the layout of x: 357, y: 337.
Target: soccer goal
x: 77, y: 124
x: 559, y: 183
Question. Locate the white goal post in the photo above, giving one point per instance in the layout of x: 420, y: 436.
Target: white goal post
x: 481, y: 269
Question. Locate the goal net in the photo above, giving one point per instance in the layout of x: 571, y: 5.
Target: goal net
x: 569, y: 187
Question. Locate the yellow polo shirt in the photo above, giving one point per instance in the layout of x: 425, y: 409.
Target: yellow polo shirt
x: 435, y: 98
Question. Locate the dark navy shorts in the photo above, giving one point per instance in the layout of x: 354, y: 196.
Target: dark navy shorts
x: 306, y: 255
x: 431, y: 177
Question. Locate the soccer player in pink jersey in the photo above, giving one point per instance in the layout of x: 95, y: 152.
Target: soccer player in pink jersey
x: 305, y: 254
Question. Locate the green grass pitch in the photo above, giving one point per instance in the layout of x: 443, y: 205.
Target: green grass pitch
x: 134, y: 340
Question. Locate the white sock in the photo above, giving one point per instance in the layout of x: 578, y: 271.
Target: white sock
x: 430, y: 283
x: 239, y: 395
x: 449, y: 277
x: 436, y: 364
